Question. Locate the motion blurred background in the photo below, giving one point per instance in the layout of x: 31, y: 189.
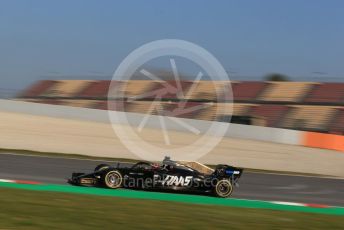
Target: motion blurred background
x: 283, y: 58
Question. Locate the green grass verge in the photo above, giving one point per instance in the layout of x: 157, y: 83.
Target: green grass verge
x: 182, y: 198
x: 79, y: 156
x: 23, y: 209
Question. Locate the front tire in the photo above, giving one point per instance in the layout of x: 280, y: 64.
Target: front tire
x: 223, y: 188
x: 113, y: 179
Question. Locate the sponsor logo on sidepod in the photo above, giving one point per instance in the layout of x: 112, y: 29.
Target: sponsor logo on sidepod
x: 177, y: 180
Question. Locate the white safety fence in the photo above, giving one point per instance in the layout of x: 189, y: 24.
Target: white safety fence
x: 275, y: 135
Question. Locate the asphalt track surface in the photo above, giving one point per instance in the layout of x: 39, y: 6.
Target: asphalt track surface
x: 254, y: 186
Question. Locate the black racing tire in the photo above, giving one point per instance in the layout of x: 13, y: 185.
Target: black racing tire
x: 113, y: 179
x: 101, y: 167
x: 223, y: 188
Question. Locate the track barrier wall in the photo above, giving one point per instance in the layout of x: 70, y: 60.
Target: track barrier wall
x: 258, y: 133
x: 324, y: 141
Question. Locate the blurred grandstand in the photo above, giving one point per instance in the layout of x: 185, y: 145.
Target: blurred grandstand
x: 310, y: 106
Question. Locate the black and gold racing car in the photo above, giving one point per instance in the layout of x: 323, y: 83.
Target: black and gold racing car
x: 168, y: 175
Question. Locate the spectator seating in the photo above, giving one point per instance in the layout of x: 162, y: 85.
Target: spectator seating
x: 337, y: 126
x: 37, y: 89
x: 207, y: 90
x: 285, y: 91
x: 141, y: 107
x: 327, y: 92
x: 313, y: 118
x: 295, y: 105
x: 248, y: 91
x: 208, y: 112
x: 273, y: 114
x: 95, y: 90
x: 66, y: 89
x: 136, y: 88
x: 237, y: 109
x: 184, y: 110
x: 169, y: 90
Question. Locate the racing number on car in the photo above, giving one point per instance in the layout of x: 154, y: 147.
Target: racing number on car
x: 176, y: 180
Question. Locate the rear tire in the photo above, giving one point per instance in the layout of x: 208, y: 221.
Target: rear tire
x: 113, y: 179
x: 223, y: 188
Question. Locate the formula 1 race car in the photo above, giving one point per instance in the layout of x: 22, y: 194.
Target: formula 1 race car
x: 169, y: 175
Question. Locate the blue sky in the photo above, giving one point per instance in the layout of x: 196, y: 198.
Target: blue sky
x: 54, y: 39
